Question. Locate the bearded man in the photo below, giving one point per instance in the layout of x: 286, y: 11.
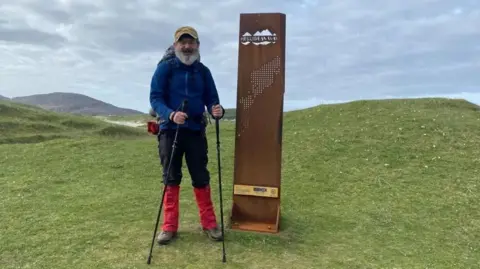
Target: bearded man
x: 181, y: 78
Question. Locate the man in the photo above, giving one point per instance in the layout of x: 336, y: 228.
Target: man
x: 181, y: 78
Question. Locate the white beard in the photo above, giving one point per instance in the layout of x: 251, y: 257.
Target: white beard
x: 187, y: 59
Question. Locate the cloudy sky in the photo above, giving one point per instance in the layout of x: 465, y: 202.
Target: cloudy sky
x: 336, y: 50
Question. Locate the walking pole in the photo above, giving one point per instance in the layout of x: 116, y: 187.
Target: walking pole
x: 220, y: 186
x: 165, y: 185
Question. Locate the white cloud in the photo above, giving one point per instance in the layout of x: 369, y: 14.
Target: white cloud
x: 336, y: 50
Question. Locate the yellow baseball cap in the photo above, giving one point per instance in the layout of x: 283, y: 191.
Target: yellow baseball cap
x: 186, y: 30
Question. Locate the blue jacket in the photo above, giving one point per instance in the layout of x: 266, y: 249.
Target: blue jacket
x: 173, y: 82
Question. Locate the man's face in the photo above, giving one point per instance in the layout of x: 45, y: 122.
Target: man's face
x: 186, y: 45
x: 186, y: 49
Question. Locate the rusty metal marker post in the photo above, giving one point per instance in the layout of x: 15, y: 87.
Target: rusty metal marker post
x: 258, y: 141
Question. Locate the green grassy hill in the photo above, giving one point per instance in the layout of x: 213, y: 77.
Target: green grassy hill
x: 29, y: 124
x: 368, y: 184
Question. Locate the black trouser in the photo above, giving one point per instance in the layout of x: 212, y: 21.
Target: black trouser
x: 192, y: 144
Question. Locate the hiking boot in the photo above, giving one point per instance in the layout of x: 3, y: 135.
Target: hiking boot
x: 166, y: 237
x: 215, y: 234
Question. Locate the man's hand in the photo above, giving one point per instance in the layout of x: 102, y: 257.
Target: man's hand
x: 217, y: 111
x: 178, y: 117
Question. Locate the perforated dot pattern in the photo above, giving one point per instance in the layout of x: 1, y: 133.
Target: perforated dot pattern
x: 260, y: 80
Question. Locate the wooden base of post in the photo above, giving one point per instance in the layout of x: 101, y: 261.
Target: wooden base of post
x: 259, y: 123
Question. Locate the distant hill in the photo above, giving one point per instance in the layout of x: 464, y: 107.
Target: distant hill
x: 4, y: 98
x: 74, y: 103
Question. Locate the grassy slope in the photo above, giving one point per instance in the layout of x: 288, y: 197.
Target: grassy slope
x: 378, y: 184
x: 28, y: 124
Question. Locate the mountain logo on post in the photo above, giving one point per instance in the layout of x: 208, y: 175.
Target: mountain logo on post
x: 264, y: 37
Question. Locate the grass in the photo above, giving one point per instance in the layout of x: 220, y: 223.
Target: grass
x: 376, y: 184
x: 28, y: 124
